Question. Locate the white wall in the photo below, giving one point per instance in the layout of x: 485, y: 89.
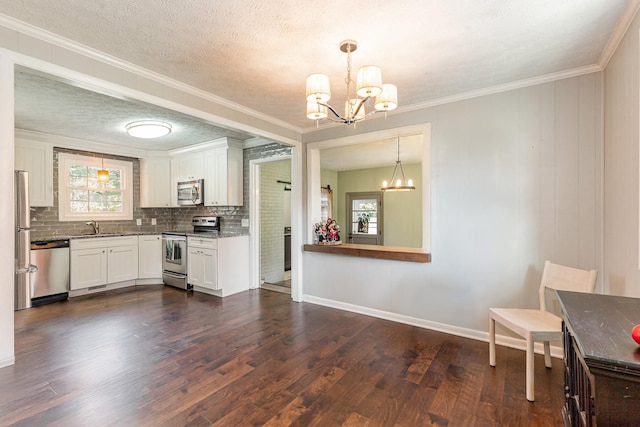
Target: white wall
x: 7, y: 234
x: 621, y: 274
x: 515, y: 179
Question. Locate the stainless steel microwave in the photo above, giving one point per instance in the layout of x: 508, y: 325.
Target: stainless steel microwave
x: 191, y: 192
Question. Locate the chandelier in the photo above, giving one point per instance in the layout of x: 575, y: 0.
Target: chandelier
x: 368, y: 85
x: 401, y: 183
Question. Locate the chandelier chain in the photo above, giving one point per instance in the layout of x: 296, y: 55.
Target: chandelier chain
x: 348, y: 80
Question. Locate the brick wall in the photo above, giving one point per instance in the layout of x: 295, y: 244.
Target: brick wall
x: 272, y: 219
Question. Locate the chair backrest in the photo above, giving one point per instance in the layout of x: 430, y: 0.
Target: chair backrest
x: 562, y: 278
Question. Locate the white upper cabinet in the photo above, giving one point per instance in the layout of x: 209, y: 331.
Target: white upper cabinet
x: 187, y: 167
x: 223, y: 175
x: 218, y: 162
x: 155, y: 182
x: 36, y: 158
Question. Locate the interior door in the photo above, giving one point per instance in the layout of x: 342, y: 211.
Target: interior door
x: 364, y: 213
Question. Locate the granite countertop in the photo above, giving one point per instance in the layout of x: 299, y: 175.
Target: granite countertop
x: 89, y: 236
x: 139, y: 233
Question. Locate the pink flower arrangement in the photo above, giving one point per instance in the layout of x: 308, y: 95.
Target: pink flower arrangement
x: 328, y: 231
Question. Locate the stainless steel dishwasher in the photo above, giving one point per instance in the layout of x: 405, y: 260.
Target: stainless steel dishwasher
x: 51, y: 282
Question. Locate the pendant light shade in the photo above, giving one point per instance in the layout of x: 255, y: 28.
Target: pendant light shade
x: 369, y: 82
x: 388, y: 98
x: 103, y: 174
x: 318, y: 89
x: 316, y: 111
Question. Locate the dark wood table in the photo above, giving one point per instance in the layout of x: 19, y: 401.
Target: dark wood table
x: 602, y: 362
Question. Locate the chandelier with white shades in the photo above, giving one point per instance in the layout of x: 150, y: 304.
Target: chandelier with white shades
x: 368, y: 85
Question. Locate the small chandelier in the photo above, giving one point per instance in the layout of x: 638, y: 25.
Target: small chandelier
x: 103, y: 174
x: 399, y: 184
x: 148, y: 129
x: 368, y: 85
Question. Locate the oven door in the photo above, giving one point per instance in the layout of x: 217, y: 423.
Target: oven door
x: 174, y: 254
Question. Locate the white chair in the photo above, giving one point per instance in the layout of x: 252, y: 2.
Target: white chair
x: 540, y: 325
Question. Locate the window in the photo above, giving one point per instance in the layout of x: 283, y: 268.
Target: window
x: 81, y: 197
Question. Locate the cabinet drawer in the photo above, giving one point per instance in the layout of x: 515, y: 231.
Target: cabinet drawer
x: 202, y: 242
x: 103, y: 242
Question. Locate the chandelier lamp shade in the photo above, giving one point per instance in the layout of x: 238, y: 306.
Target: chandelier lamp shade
x: 148, y: 129
x: 398, y: 181
x: 368, y: 85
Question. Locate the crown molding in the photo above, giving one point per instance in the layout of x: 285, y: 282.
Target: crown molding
x: 619, y: 32
x: 80, y: 144
x: 519, y: 84
x: 491, y: 90
x: 54, y: 39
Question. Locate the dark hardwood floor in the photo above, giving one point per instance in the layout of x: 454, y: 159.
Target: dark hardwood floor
x: 154, y: 356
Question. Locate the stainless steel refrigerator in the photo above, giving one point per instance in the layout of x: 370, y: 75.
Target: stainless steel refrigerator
x: 23, y: 242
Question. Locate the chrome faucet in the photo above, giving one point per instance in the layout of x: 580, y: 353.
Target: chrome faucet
x: 95, y: 226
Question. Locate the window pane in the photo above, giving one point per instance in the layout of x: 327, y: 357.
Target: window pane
x: 365, y: 216
x: 76, y: 181
x: 78, y: 207
x: 79, y: 195
x: 78, y: 170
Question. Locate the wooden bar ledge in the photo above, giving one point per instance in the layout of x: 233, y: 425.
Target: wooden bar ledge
x: 373, y: 251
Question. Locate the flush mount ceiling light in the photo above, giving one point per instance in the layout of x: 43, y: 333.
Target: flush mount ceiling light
x: 368, y: 85
x: 399, y: 184
x: 148, y: 129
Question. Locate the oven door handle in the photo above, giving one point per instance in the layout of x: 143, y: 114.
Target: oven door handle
x: 172, y: 274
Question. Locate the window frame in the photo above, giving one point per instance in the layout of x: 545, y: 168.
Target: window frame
x: 66, y: 160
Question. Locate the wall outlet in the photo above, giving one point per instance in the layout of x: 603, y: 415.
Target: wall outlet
x: 244, y: 222
x: 138, y: 221
x: 153, y: 221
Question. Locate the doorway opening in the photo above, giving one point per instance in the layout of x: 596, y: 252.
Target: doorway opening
x: 365, y: 218
x: 275, y: 225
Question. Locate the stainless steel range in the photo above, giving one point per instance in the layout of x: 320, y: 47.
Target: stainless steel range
x: 174, y: 243
x: 174, y: 261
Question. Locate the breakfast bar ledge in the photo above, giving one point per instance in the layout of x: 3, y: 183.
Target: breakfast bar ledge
x: 373, y: 251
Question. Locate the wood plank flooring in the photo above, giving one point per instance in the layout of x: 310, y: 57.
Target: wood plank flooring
x: 158, y: 356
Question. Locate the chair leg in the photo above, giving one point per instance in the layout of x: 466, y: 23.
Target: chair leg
x: 547, y: 354
x: 530, y: 365
x: 492, y: 341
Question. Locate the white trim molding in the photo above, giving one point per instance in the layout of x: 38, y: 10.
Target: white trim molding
x: 516, y: 343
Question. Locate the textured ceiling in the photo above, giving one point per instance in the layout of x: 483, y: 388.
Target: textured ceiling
x: 258, y: 53
x: 46, y: 105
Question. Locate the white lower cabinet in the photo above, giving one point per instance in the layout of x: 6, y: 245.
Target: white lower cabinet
x: 88, y: 267
x: 100, y: 261
x: 219, y: 265
x: 202, y: 262
x: 150, y: 257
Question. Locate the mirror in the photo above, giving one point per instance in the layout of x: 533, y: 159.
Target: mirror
x: 356, y: 165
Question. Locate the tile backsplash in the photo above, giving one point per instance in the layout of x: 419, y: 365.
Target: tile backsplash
x: 44, y: 220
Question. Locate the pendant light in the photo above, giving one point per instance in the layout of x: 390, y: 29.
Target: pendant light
x: 400, y: 183
x: 103, y: 174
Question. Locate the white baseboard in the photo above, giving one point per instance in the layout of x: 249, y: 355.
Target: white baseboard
x: 8, y: 361
x: 503, y: 340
